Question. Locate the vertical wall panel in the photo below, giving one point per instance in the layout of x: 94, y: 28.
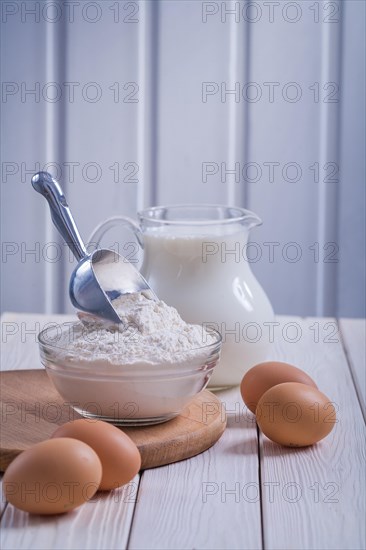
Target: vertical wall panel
x: 55, y: 139
x: 328, y: 191
x: 23, y: 213
x: 236, y: 156
x: 194, y: 48
x: 285, y: 129
x: 147, y: 111
x: 102, y: 120
x: 133, y: 128
x: 352, y: 230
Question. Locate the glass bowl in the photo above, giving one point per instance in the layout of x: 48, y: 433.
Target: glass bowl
x: 127, y: 395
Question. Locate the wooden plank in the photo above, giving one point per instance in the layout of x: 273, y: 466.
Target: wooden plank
x: 27, y: 419
x: 317, y: 498
x: 3, y: 502
x: 353, y: 333
x: 176, y: 501
x: 106, y: 179
x: 209, y: 501
x: 279, y: 55
x: 188, y: 71
x: 351, y: 237
x: 23, y: 52
x: 103, y: 523
x: 19, y: 332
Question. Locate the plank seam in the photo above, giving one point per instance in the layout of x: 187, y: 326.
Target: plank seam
x: 238, y: 126
x: 260, y: 487
x: 134, y: 511
x: 3, y: 510
x: 351, y: 369
x: 147, y: 145
x: 328, y: 192
x: 55, y: 133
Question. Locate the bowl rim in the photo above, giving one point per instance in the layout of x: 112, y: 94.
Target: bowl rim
x: 128, y: 371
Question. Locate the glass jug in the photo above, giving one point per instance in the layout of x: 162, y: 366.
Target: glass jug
x: 195, y: 259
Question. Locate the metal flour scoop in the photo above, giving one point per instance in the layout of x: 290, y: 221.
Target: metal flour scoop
x: 99, y: 277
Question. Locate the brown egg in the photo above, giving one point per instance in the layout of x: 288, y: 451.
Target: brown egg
x: 53, y: 477
x: 265, y: 375
x: 295, y: 415
x: 120, y: 458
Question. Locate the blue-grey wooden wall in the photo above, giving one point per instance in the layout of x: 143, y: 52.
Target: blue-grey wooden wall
x: 253, y: 103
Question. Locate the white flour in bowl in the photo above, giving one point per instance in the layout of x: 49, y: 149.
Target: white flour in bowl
x: 145, y: 370
x: 151, y: 332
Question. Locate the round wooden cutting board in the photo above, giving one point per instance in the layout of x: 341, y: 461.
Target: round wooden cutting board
x: 31, y: 410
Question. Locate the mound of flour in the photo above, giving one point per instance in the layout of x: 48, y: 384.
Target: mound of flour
x: 151, y: 332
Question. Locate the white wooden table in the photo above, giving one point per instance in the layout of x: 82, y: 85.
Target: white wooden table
x: 245, y: 492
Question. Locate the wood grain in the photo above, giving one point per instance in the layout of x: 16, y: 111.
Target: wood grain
x: 209, y: 501
x: 103, y: 523
x: 19, y: 332
x: 3, y: 502
x: 31, y: 409
x: 314, y: 497
x: 66, y: 532
x: 353, y: 333
x: 172, y: 510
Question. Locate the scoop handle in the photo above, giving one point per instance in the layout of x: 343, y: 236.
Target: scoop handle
x: 47, y: 186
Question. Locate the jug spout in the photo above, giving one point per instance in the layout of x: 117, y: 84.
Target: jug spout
x: 250, y: 219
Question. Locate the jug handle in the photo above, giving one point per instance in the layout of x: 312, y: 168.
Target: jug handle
x: 100, y: 230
